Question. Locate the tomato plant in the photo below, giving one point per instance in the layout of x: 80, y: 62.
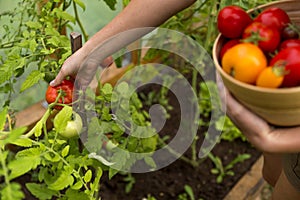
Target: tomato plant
x: 232, y: 20
x: 63, y: 91
x: 244, y: 62
x: 289, y: 57
x: 267, y: 38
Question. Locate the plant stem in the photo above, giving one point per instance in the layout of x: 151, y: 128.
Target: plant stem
x: 85, y: 35
x: 5, y: 170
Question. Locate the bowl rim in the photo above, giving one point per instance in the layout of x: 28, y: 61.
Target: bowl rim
x: 246, y: 85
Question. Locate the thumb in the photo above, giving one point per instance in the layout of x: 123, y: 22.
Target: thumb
x: 58, y: 79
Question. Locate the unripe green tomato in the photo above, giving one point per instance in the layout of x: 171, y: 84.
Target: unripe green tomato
x: 73, y: 127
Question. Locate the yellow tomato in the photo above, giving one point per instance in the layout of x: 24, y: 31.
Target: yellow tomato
x: 271, y: 77
x: 244, y: 62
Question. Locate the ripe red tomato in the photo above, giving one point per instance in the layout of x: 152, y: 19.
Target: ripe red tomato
x: 290, y: 32
x: 66, y: 89
x: 267, y: 38
x: 227, y: 46
x: 274, y: 17
x: 289, y: 57
x: 290, y: 43
x: 232, y: 20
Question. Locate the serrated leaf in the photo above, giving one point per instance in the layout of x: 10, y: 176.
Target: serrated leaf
x: 63, y: 181
x: 22, y: 165
x: 40, y: 191
x: 80, y: 3
x: 88, y: 176
x: 13, y: 191
x: 62, y: 118
x: 23, y: 142
x: 65, y: 151
x: 33, y: 78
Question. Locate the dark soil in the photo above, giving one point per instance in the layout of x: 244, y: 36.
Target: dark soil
x: 169, y: 182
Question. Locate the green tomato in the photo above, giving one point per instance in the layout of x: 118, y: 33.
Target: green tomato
x: 73, y: 128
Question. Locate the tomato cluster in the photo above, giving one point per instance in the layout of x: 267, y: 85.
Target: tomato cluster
x: 262, y: 50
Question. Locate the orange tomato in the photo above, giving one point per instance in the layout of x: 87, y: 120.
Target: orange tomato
x: 271, y: 77
x: 244, y: 62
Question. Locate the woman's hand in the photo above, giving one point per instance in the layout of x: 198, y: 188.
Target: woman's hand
x: 72, y: 66
x: 259, y: 133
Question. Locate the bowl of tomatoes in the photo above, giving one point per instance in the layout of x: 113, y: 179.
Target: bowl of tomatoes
x: 257, y: 54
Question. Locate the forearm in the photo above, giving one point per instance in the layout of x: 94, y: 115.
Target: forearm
x: 138, y: 13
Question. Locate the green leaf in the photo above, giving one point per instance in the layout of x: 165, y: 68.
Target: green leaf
x: 12, y: 191
x: 64, y: 15
x: 76, y: 195
x: 25, y: 161
x: 64, y: 180
x: 65, y: 151
x: 3, y: 114
x: 80, y: 3
x: 62, y: 118
x: 189, y: 191
x: 77, y: 185
x: 40, y: 191
x: 33, y: 24
x: 88, y: 176
x: 13, y: 135
x: 23, y: 142
x: 33, y: 78
x: 111, y: 4
x: 149, y: 161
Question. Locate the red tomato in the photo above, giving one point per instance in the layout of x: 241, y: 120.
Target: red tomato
x: 289, y: 57
x: 66, y: 88
x: 267, y: 38
x: 290, y: 43
x: 274, y: 17
x: 290, y: 32
x: 227, y: 46
x: 232, y: 20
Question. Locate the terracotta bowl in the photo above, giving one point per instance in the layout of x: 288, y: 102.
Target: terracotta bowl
x: 280, y: 107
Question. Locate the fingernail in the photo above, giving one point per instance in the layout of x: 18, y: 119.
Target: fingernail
x: 52, y: 83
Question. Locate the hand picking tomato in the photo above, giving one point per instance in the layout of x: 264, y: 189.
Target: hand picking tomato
x: 227, y: 46
x: 232, y: 20
x: 267, y: 38
x: 289, y: 57
x: 244, y: 62
x: 290, y: 43
x: 271, y: 77
x: 274, y: 17
x: 65, y: 89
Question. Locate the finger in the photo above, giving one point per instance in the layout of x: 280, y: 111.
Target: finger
x: 107, y: 62
x: 59, y: 78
